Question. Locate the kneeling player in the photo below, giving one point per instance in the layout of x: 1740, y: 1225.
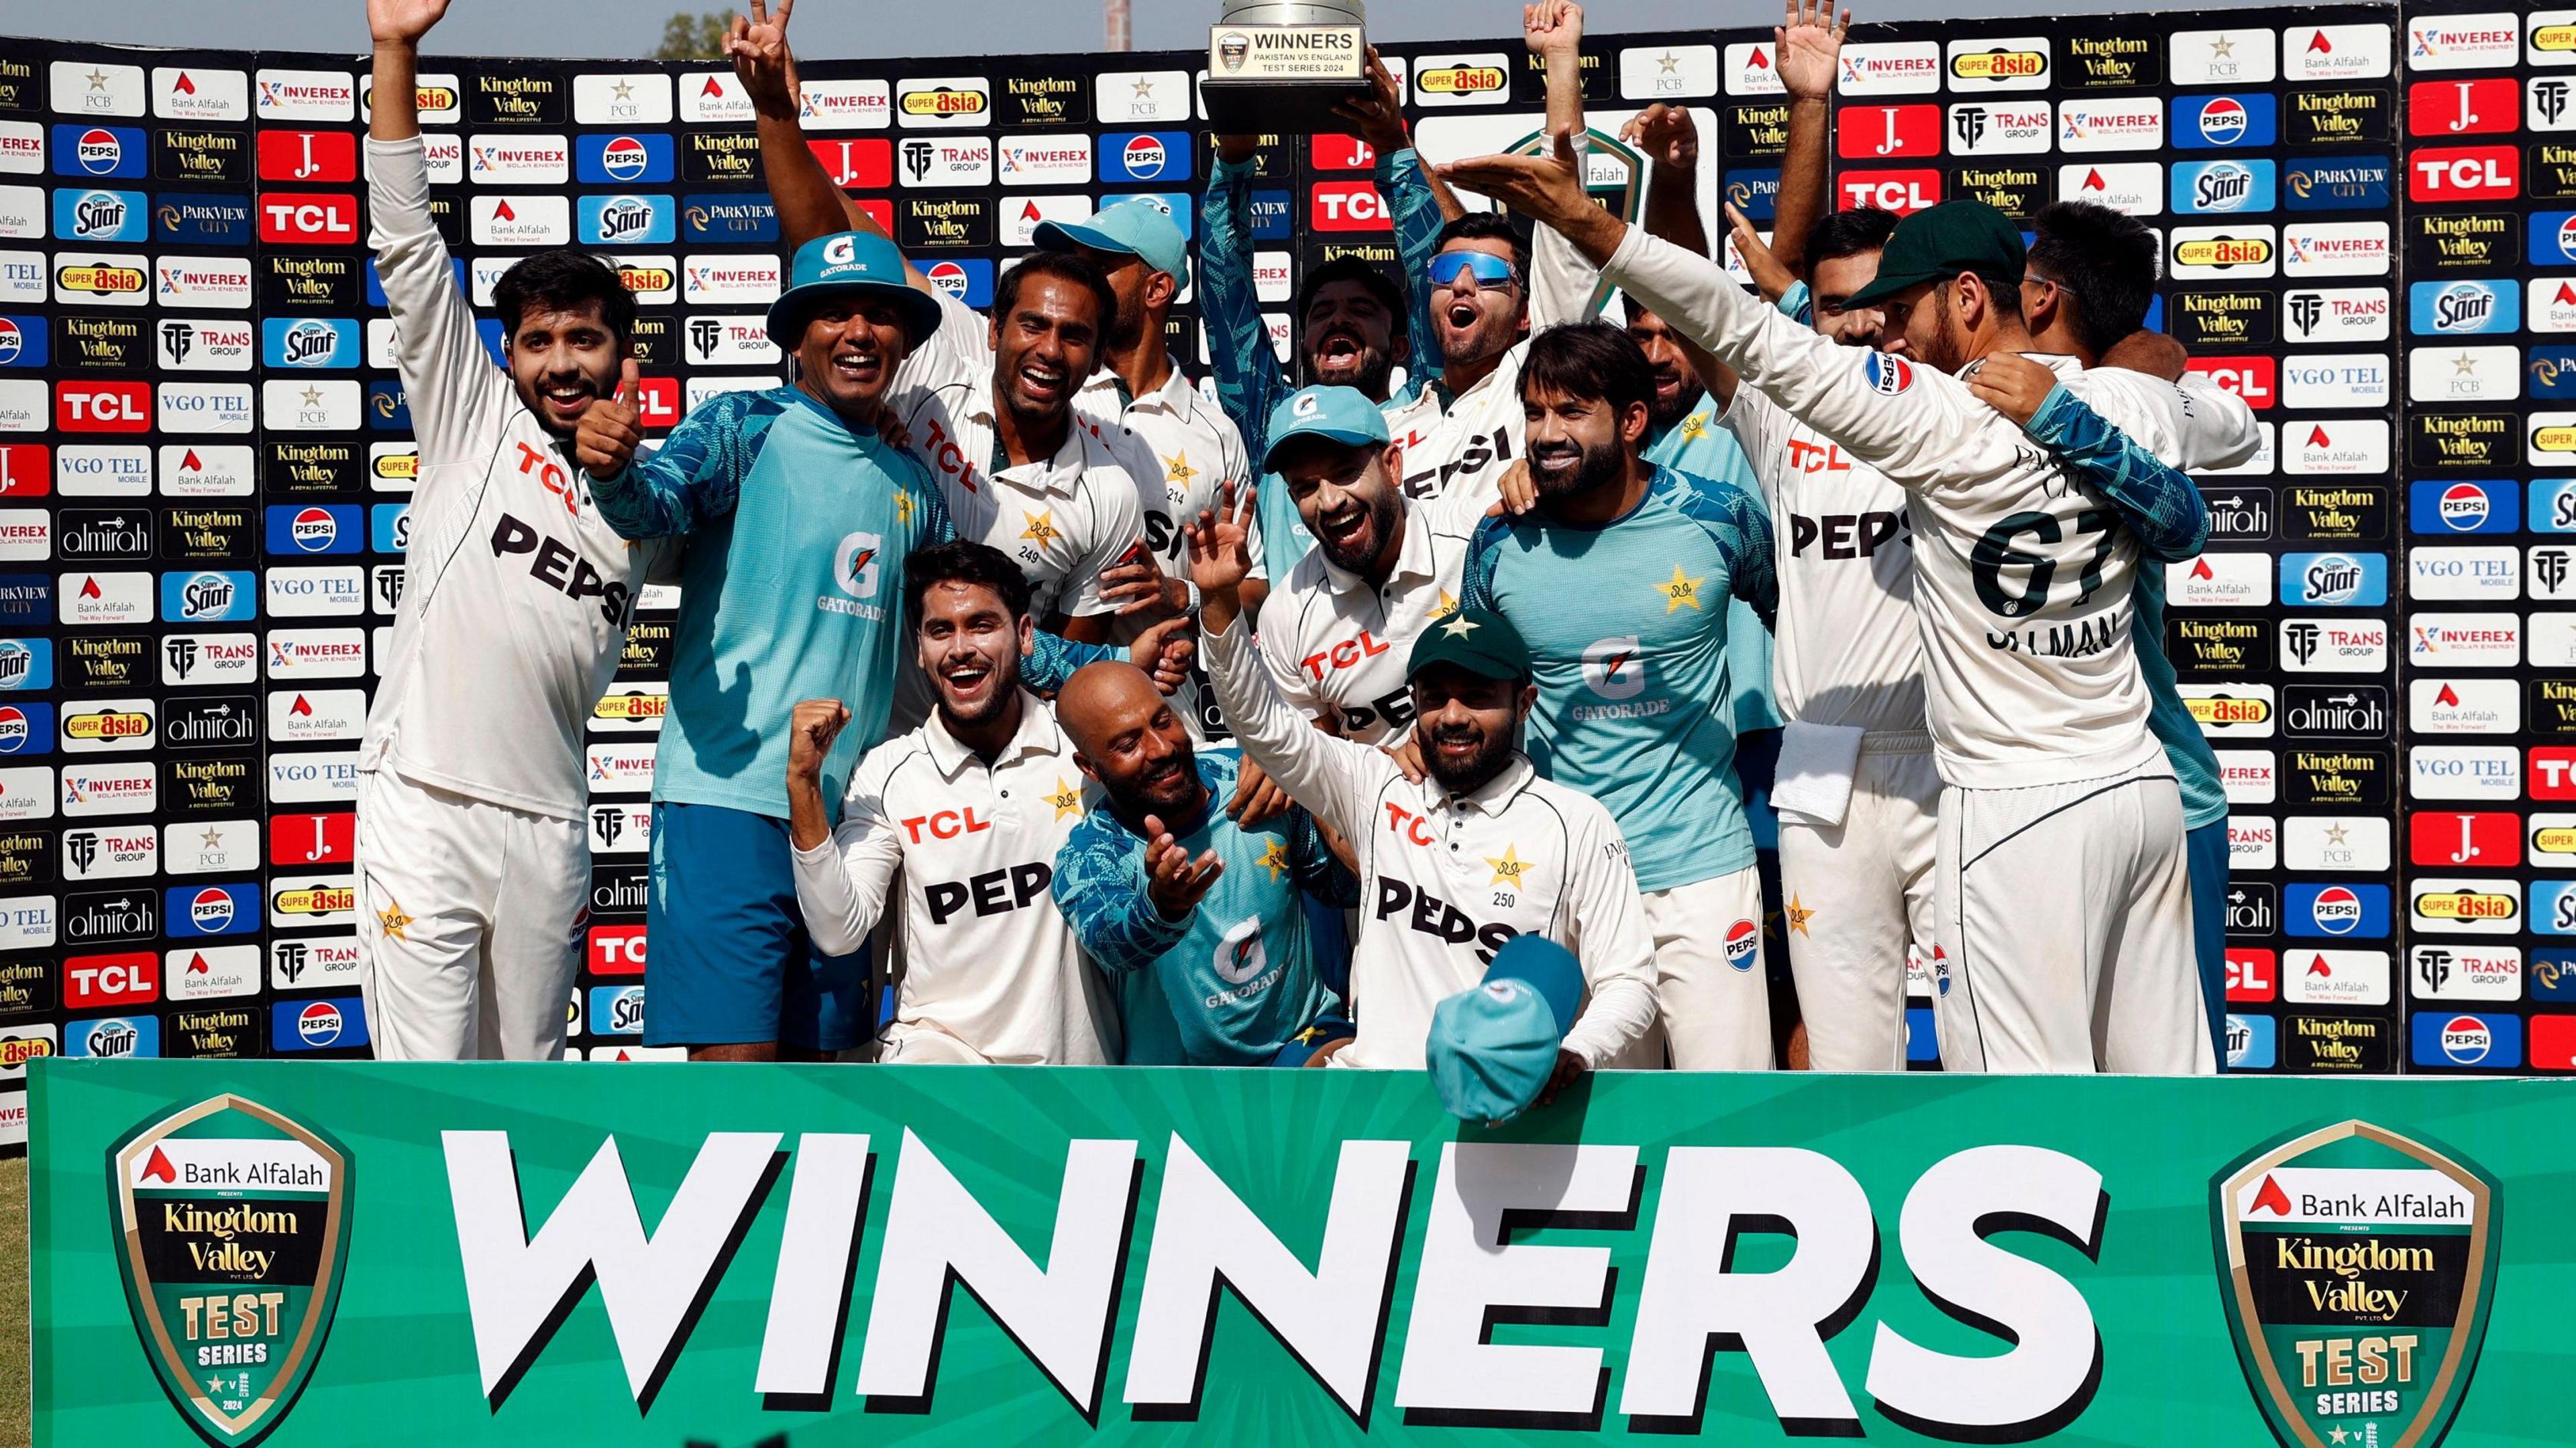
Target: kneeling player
x: 967, y: 812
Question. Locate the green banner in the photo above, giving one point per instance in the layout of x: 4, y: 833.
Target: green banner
x: 340, y: 1254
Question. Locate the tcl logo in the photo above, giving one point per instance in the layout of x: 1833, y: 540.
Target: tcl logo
x: 1341, y: 153
x: 2463, y: 107
x: 1902, y: 192
x: 946, y: 824
x: 2252, y: 975
x: 313, y: 839
x: 1348, y: 206
x: 2553, y: 772
x: 306, y: 219
x: 26, y: 471
x: 2251, y: 378
x: 2464, y: 173
x: 1886, y: 133
x: 1344, y: 654
x: 2487, y: 841
x: 657, y: 402
x: 103, y: 406
x: 315, y: 156
x: 111, y: 980
x: 865, y: 164
x: 617, y: 950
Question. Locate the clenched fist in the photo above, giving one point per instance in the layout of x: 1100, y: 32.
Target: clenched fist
x: 604, y: 442
x: 810, y: 732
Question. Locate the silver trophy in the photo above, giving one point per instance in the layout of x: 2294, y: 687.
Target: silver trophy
x: 1280, y: 66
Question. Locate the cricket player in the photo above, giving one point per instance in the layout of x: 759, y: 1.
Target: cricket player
x: 1201, y: 921
x: 473, y: 862
x: 1620, y: 581
x: 962, y: 818
x: 2037, y: 707
x: 1457, y: 863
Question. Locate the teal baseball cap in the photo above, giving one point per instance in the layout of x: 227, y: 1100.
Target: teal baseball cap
x: 1493, y: 1046
x: 1139, y: 226
x: 1335, y: 414
x: 844, y: 264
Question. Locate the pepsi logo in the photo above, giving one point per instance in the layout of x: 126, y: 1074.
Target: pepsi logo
x: 2567, y: 236
x: 11, y: 340
x: 319, y: 1023
x: 624, y: 158
x: 949, y: 277
x: 1888, y: 374
x: 2337, y: 910
x: 1145, y: 158
x: 1743, y: 938
x: 13, y: 728
x: 315, y: 530
x: 211, y: 910
x: 2464, y: 506
x: 2223, y: 121
x: 98, y: 151
x: 2465, y: 1039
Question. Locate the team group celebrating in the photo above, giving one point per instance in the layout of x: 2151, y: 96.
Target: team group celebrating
x: 1027, y: 706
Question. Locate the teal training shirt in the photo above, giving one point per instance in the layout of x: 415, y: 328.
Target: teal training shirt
x: 798, y: 527
x: 1627, y: 627
x: 1697, y: 447
x: 1235, y: 980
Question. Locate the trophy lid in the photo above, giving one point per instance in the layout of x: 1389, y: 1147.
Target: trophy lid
x: 1296, y: 12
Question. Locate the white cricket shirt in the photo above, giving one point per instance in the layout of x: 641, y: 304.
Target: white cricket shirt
x: 1336, y: 644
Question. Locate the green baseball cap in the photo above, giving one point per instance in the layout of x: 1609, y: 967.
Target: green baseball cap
x: 1483, y: 643
x: 1335, y: 414
x: 1493, y: 1046
x: 1138, y: 226
x: 1939, y: 242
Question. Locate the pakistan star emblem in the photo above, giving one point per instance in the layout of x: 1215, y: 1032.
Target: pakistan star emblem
x: 903, y: 506
x: 1695, y: 427
x: 1066, y: 799
x: 1508, y: 869
x: 313, y: 397
x: 1459, y: 627
x: 1799, y: 915
x: 1177, y: 469
x: 393, y: 920
x: 1448, y: 604
x: 1041, y: 527
x: 1680, y: 589
x: 1274, y: 858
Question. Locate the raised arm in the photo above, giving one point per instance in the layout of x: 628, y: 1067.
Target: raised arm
x: 1806, y: 45
x: 808, y: 204
x: 841, y: 875
x: 1249, y: 382
x: 694, y: 477
x: 1564, y: 286
x: 1113, y: 894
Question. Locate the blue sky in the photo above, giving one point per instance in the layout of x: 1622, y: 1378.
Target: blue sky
x: 608, y: 28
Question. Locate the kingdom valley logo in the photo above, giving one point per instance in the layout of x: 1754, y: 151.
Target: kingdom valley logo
x: 233, y: 1228
x: 2356, y: 1267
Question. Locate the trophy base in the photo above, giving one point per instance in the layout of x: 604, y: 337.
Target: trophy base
x: 1296, y: 108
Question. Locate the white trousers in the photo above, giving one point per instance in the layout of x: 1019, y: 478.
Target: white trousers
x: 470, y: 925
x: 1859, y: 893
x: 1715, y: 1006
x: 2064, y: 921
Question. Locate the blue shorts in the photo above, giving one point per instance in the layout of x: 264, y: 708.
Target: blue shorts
x: 730, y: 961
x: 2206, y: 851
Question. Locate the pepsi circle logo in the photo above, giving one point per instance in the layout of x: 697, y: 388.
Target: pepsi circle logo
x: 1743, y: 938
x: 1888, y: 375
x: 1145, y: 158
x: 315, y: 530
x: 2465, y: 1039
x: 319, y: 1023
x: 949, y: 277
x: 211, y: 910
x: 11, y: 340
x: 13, y: 728
x: 2223, y: 121
x: 98, y: 151
x: 624, y: 158
x: 2567, y: 236
x: 2338, y: 910
x: 2464, y: 506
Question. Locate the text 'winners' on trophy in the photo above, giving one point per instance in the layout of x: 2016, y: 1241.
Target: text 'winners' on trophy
x: 1282, y: 65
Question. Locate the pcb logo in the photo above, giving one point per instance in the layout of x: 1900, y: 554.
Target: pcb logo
x: 232, y: 1232
x: 2357, y: 1267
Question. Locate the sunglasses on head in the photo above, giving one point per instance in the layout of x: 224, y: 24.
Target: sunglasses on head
x: 1488, y: 269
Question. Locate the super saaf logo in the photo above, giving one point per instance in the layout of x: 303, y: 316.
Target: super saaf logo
x: 232, y: 1230
x: 2357, y: 1267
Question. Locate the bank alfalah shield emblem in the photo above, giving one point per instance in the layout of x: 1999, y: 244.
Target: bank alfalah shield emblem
x: 1614, y: 176
x: 232, y: 1229
x: 2357, y: 1267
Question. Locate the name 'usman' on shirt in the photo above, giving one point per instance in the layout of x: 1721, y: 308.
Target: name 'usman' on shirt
x: 1126, y: 1209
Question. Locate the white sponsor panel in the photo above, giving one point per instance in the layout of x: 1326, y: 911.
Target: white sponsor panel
x: 634, y: 98
x: 109, y: 726
x: 205, y: 344
x: 2253, y: 842
x: 103, y: 470
x: 1022, y: 215
x: 109, y: 789
x: 2000, y: 128
x: 313, y: 962
x: 2334, y: 645
x: 2466, y: 972
x: 301, y: 902
x: 191, y: 93
x: 1890, y: 68
x: 27, y: 793
x: 2335, y: 447
x: 2311, y: 977
x: 2463, y: 42
x: 2221, y: 57
x: 714, y: 97
x: 2464, y: 706
x: 1044, y: 160
x: 2011, y: 63
x: 111, y: 852
x: 638, y: 707
x: 506, y: 158
x: 2220, y: 580
x: 2250, y: 776
x: 2334, y: 842
x: 88, y: 88
x: 2231, y: 711
x: 2464, y: 640
x: 22, y: 218
x: 316, y: 716
x: 2550, y: 641
x: 2464, y: 905
x: 2335, y: 379
x: 519, y: 219
x: 621, y: 768
x: 217, y: 847
x: 105, y: 598
x: 938, y: 162
x: 310, y: 404
x: 1479, y: 78
x: 223, y: 408
x: 1143, y: 95
x: 729, y: 280
x: 316, y: 592
x: 305, y: 95
x: 1667, y: 72
x: 740, y: 340
x: 2135, y: 188
x: 211, y: 972
x: 2334, y: 52
x: 27, y: 922
x: 2122, y: 124
x: 313, y: 777
x: 2464, y: 771
x: 222, y: 282
x: 2334, y: 249
x: 193, y: 661
x: 844, y: 105
x: 2329, y: 315
x: 2463, y: 374
x: 2485, y: 574
x: 26, y: 535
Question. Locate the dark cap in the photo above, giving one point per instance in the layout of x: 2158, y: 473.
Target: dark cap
x: 1939, y: 242
x: 1484, y: 644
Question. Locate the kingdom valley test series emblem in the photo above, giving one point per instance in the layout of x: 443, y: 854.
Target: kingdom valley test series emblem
x: 232, y: 1229
x: 2357, y: 1267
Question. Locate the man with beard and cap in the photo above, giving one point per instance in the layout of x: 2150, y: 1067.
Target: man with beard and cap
x: 962, y: 817
x: 1354, y: 327
x: 1199, y: 922
x: 987, y: 406
x: 1632, y: 697
x: 2061, y: 894
x: 1457, y: 863
x: 1338, y: 631
x: 473, y: 860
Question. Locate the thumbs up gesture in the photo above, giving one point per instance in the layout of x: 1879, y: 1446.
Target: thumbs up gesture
x: 604, y: 443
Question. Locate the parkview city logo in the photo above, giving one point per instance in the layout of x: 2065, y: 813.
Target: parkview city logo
x: 232, y: 1227
x: 2357, y: 1267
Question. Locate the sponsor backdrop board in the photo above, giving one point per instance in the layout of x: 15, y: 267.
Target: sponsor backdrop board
x: 204, y: 460
x: 358, y: 1253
